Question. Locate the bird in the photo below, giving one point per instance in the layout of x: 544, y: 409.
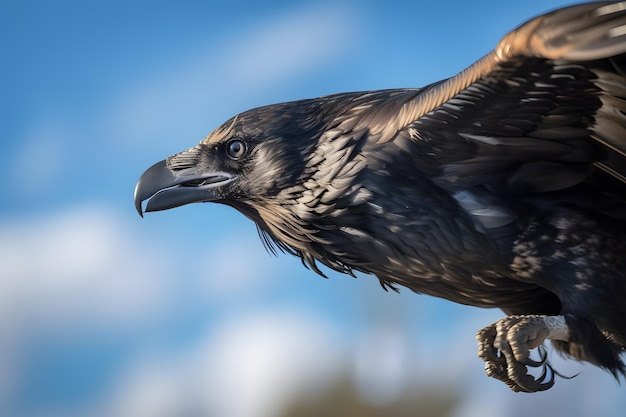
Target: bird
x: 503, y: 186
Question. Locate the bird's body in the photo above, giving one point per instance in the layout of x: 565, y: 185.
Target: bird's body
x: 500, y: 187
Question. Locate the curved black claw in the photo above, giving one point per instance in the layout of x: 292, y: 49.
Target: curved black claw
x: 543, y: 358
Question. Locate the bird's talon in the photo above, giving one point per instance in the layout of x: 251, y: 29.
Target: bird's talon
x: 505, y: 347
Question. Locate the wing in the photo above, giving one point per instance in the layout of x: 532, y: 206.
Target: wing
x: 543, y: 112
x: 526, y: 112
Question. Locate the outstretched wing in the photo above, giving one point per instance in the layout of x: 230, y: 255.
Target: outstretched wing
x: 526, y: 112
x: 545, y: 111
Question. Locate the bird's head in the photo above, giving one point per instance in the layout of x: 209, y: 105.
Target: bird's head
x: 308, y: 173
x: 251, y: 157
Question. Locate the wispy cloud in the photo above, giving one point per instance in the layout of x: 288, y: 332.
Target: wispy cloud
x: 260, y: 57
x: 79, y: 264
x: 249, y: 367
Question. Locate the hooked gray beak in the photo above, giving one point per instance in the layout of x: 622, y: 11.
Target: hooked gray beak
x: 165, y: 188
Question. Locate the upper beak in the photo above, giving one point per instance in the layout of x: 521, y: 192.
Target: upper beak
x: 165, y: 188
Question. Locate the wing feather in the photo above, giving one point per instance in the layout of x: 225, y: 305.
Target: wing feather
x: 579, y: 33
x: 548, y: 87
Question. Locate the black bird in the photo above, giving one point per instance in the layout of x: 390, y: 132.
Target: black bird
x: 503, y: 186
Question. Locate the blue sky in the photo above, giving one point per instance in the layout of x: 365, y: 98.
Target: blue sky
x: 103, y: 313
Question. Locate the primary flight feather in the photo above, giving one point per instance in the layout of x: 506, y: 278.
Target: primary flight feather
x: 503, y: 186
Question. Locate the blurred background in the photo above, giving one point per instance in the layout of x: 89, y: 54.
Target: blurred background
x: 183, y: 313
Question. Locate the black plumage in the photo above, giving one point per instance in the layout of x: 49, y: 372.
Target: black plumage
x: 503, y: 186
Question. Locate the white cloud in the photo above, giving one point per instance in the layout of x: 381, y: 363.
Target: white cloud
x: 86, y: 265
x: 78, y: 265
x: 250, y: 367
x: 299, y: 42
x: 381, y: 359
x: 257, y: 364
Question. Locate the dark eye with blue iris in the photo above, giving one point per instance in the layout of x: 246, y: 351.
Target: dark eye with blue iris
x: 236, y: 148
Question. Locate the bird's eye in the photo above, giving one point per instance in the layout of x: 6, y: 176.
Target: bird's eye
x: 236, y: 148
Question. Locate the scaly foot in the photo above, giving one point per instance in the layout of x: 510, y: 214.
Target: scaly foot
x: 506, y: 344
